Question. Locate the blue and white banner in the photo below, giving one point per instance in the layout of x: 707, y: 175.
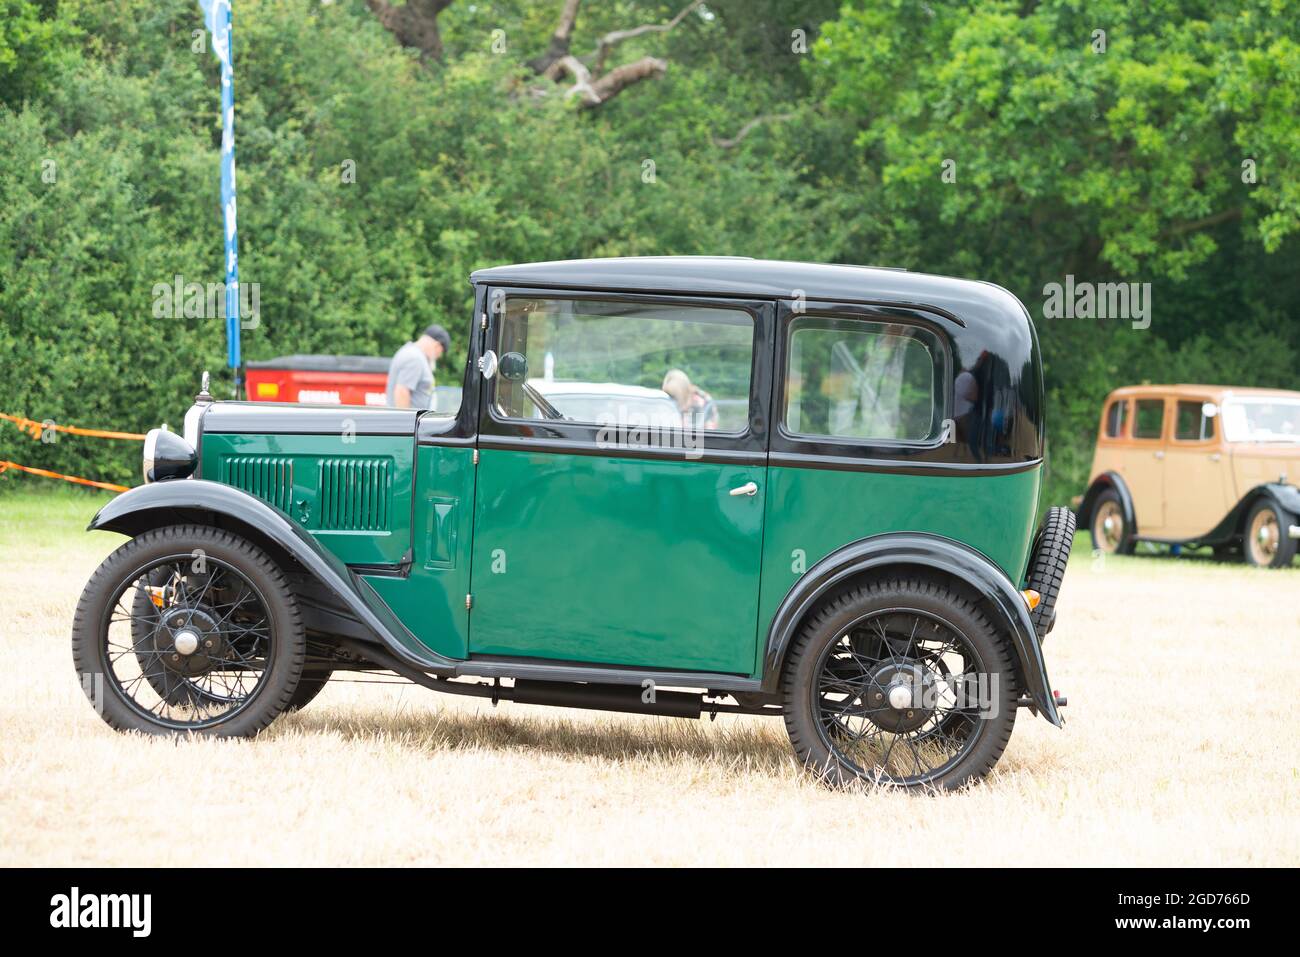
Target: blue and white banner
x: 216, y: 14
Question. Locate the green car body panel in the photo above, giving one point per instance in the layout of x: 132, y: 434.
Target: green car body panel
x: 616, y: 560
x: 813, y: 512
x: 430, y: 600
x: 351, y: 492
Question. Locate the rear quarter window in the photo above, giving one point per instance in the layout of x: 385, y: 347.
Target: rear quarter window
x: 1116, y: 418
x: 863, y: 380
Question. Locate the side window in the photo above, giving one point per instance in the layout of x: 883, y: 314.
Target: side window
x: 1116, y: 418
x: 1192, y: 424
x: 625, y: 364
x: 859, y: 379
x: 1149, y: 421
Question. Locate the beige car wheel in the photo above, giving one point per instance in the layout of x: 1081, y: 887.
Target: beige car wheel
x: 1266, y: 542
x: 1110, y: 532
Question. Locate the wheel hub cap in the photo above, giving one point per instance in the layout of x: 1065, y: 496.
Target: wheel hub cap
x: 897, y: 695
x: 189, y: 641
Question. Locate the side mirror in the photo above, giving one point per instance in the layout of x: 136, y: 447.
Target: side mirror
x: 1209, y: 410
x: 513, y: 367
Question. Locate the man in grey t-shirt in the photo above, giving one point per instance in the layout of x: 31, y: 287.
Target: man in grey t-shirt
x: 410, y: 374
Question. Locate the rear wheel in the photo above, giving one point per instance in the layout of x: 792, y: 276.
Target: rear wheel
x: 900, y: 682
x: 310, y: 685
x: 1109, y: 529
x: 214, y: 646
x: 1266, y: 542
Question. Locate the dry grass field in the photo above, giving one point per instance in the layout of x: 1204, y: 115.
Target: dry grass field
x: 1180, y: 749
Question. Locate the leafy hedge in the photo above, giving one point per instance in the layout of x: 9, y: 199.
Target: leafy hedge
x: 1124, y: 165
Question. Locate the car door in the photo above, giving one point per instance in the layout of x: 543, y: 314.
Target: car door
x: 611, y: 524
x: 1197, y: 479
x: 1143, y: 467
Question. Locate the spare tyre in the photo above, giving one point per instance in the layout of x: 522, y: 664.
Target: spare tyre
x: 1047, y: 564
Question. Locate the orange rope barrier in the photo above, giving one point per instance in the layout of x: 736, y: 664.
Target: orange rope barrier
x: 35, y: 429
x: 59, y: 475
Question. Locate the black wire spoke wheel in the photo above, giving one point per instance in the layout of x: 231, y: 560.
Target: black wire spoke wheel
x: 900, y: 683
x: 894, y: 696
x: 199, y: 651
x: 190, y: 628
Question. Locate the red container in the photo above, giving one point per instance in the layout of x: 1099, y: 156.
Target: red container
x: 329, y: 380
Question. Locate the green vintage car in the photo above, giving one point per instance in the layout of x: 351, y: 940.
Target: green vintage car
x: 675, y: 486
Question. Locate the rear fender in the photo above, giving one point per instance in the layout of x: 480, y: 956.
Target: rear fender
x: 924, y: 551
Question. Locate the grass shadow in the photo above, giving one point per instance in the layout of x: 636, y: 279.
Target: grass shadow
x: 754, y: 745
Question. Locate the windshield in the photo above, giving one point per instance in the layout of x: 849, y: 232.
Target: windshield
x: 1261, y: 420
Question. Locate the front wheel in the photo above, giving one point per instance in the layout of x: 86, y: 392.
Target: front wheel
x: 1267, y: 542
x: 189, y: 629
x: 1109, y: 529
x: 901, y: 682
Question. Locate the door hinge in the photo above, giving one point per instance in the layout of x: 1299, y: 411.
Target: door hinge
x: 476, y: 456
x: 469, y: 602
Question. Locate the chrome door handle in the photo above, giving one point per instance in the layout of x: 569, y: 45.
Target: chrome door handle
x: 1216, y: 456
x: 749, y: 488
x: 1160, y: 455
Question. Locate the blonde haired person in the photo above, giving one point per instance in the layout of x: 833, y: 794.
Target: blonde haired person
x: 699, y: 412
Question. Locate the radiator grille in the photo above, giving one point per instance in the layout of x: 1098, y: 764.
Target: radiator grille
x: 355, y: 494
x: 269, y: 477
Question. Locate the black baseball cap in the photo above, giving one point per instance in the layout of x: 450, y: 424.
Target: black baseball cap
x: 438, y: 334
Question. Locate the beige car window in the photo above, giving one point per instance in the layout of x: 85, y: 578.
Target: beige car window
x: 1192, y: 424
x: 1149, y: 421
x: 1116, y: 418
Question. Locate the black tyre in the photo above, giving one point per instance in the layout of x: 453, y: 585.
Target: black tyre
x: 1047, y: 563
x: 1110, y: 530
x: 866, y: 648
x: 219, y: 651
x: 309, y: 686
x: 1266, y: 542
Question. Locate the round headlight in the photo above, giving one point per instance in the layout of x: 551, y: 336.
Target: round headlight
x: 167, y: 456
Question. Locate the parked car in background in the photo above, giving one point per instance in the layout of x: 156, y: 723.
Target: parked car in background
x: 331, y: 380
x: 1192, y: 465
x: 852, y: 545
x: 607, y: 402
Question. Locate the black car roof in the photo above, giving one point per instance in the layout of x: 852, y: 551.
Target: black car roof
x: 763, y: 278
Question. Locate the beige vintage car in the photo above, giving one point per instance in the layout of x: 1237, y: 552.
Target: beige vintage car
x: 1197, y: 465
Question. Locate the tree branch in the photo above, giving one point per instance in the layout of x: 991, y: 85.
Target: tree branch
x: 615, y: 37
x: 414, y: 23
x: 749, y: 127
x: 558, y: 48
x: 581, y: 79
x: 624, y: 76
x: 1214, y: 219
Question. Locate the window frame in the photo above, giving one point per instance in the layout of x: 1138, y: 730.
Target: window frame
x: 1163, y: 402
x: 1126, y: 424
x: 497, y: 429
x: 852, y: 452
x: 939, y: 369
x: 1202, y: 439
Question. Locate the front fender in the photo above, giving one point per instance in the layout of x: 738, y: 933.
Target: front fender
x: 917, y: 550
x: 1102, y: 482
x: 1288, y: 496
x: 195, y: 501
